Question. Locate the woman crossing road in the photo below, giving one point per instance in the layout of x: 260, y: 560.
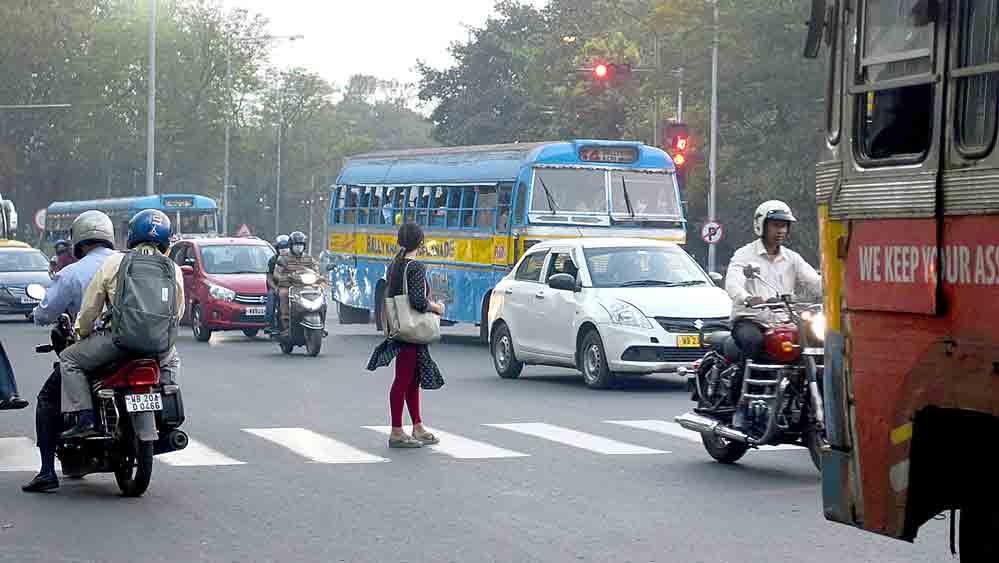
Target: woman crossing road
x: 414, y: 368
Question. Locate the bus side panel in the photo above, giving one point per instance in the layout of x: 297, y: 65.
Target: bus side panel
x: 905, y: 367
x: 354, y: 280
x: 461, y: 289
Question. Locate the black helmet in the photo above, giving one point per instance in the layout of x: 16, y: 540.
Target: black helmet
x: 297, y: 242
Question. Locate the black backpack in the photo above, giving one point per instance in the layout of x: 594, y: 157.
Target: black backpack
x: 144, y: 321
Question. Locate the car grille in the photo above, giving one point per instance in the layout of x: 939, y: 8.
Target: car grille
x: 16, y: 291
x: 688, y: 325
x: 662, y: 354
x: 247, y: 299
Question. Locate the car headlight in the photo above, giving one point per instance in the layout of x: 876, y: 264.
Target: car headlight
x: 817, y: 324
x: 626, y: 314
x: 221, y: 293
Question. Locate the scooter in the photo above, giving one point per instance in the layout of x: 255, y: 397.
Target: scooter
x: 307, y: 314
x: 138, y: 416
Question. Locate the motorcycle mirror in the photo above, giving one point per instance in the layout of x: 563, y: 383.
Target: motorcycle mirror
x: 750, y: 271
x: 35, y: 291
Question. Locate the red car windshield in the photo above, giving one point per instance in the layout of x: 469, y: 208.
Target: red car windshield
x: 236, y: 259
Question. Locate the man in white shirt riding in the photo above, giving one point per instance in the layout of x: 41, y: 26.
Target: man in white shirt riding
x: 779, y: 266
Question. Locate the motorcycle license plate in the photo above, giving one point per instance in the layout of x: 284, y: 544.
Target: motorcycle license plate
x: 688, y: 341
x: 143, y: 403
x: 255, y: 311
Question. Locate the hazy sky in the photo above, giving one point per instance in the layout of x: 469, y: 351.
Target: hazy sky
x: 383, y: 38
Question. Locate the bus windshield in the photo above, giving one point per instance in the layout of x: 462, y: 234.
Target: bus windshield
x: 196, y: 223
x: 637, y: 194
x: 569, y: 189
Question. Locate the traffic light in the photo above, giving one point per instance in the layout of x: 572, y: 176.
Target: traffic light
x: 676, y: 140
x: 610, y: 72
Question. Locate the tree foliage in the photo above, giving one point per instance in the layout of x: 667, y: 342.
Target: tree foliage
x: 521, y: 77
x: 92, y: 54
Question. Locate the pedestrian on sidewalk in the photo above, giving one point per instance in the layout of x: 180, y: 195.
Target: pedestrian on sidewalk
x: 414, y: 368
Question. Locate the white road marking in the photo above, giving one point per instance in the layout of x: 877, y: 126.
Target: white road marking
x: 316, y: 447
x: 677, y: 431
x: 19, y: 454
x: 197, y: 454
x: 577, y: 439
x: 460, y: 447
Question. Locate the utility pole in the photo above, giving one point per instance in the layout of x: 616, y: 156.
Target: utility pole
x: 151, y: 123
x: 713, y: 159
x: 277, y: 190
x: 228, y: 107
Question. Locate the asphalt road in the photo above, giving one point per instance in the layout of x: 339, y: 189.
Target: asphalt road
x: 286, y: 468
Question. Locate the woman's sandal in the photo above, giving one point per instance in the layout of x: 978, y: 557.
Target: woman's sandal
x: 427, y: 439
x: 405, y: 442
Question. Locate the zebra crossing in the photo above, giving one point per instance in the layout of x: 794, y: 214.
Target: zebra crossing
x: 654, y: 437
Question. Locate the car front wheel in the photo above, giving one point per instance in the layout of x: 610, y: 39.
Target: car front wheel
x: 593, y: 362
x: 504, y: 359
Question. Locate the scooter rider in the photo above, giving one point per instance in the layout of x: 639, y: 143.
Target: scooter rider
x: 779, y: 266
x: 63, y: 257
x: 295, y: 261
x: 92, y: 234
x: 281, y: 244
x: 148, y: 233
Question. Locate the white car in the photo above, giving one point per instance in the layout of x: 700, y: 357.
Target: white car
x: 605, y: 306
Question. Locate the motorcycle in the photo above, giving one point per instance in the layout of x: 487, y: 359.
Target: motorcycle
x: 307, y: 314
x: 138, y: 417
x: 747, y: 404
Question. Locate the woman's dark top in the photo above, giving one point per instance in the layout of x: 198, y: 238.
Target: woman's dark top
x: 416, y: 280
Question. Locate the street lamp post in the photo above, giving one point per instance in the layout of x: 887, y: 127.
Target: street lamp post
x: 228, y: 119
x: 713, y: 158
x: 151, y: 118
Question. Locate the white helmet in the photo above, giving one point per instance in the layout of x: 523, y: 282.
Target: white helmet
x: 771, y: 210
x: 91, y: 227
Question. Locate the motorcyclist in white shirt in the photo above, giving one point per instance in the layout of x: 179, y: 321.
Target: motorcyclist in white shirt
x: 779, y: 266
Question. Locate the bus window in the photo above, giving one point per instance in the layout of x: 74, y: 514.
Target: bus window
x: 898, y: 40
x: 467, y: 210
x: 438, y: 207
x: 977, y: 87
x: 453, y: 204
x: 363, y: 203
x: 426, y: 203
x: 350, y: 205
x: 485, y: 208
x: 834, y: 89
x: 197, y: 223
x: 412, y: 202
x: 503, y: 207
x: 518, y: 210
x: 336, y: 206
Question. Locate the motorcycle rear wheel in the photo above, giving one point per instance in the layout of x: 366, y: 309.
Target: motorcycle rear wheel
x: 724, y: 451
x: 313, y: 342
x: 136, y: 470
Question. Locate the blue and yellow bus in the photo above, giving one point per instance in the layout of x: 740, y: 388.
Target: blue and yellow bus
x: 192, y: 215
x: 481, y: 207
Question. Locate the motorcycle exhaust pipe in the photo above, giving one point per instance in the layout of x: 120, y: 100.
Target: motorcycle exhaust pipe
x: 705, y: 425
x: 178, y: 440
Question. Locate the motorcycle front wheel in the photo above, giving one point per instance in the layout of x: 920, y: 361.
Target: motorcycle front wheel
x: 136, y: 469
x: 313, y: 342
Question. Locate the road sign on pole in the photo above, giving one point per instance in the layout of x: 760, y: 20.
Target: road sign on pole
x: 712, y: 232
x: 243, y: 231
x: 40, y: 219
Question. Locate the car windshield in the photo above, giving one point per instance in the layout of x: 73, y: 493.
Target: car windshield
x: 637, y: 194
x: 642, y: 267
x: 23, y: 261
x: 569, y: 189
x: 236, y: 259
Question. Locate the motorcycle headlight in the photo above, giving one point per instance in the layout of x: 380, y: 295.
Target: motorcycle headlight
x: 817, y: 324
x: 308, y: 278
x: 626, y: 314
x: 221, y: 293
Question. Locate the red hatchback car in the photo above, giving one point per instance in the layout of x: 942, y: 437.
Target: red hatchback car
x: 225, y: 283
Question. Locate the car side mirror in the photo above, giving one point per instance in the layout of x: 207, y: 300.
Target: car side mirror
x: 716, y: 277
x: 187, y: 270
x: 563, y: 282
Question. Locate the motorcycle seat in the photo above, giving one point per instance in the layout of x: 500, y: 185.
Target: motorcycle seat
x: 717, y: 338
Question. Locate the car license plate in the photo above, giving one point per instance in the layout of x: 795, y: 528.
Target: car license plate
x: 28, y: 300
x: 255, y: 311
x: 143, y: 403
x: 688, y: 341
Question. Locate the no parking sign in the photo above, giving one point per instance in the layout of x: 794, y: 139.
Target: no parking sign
x: 712, y: 232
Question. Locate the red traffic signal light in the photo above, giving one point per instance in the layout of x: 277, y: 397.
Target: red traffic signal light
x: 607, y: 72
x: 676, y: 140
x: 600, y: 71
x: 680, y: 144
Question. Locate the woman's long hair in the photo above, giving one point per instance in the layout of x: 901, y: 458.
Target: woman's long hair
x: 410, y: 238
